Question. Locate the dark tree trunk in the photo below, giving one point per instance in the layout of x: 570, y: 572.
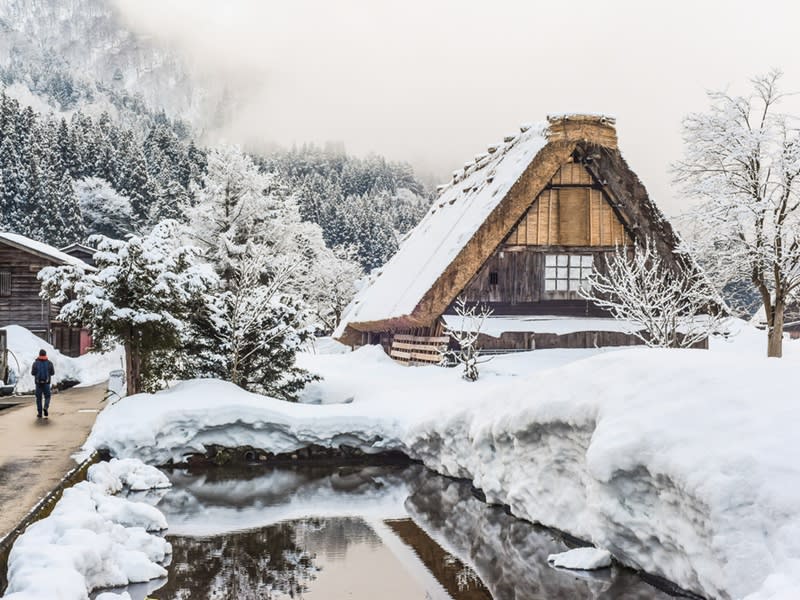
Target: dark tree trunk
x: 775, y: 330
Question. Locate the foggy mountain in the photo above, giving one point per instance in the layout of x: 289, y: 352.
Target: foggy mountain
x: 62, y: 55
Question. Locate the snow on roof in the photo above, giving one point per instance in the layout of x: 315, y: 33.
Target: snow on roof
x: 42, y: 249
x: 497, y: 326
x: 455, y: 216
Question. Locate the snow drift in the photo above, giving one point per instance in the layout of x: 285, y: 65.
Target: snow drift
x: 89, y: 369
x: 92, y: 539
x: 677, y: 461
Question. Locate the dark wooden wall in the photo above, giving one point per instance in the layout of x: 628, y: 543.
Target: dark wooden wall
x: 572, y: 215
x: 24, y: 307
x: 519, y: 272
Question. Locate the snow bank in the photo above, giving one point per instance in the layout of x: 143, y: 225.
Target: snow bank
x: 89, y: 369
x: 585, y: 559
x: 676, y: 461
x: 91, y: 539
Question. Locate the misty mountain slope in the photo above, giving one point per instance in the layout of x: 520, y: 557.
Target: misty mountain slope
x: 80, y: 54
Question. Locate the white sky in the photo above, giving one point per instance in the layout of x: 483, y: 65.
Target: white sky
x: 433, y: 82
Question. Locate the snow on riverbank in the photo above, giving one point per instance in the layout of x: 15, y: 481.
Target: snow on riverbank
x: 92, y: 539
x: 680, y: 462
x: 89, y: 369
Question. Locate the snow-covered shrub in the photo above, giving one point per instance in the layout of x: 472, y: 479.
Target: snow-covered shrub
x: 141, y: 296
x: 249, y: 332
x: 675, y: 305
x: 465, y: 337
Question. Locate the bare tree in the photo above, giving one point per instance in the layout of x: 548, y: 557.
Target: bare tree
x: 466, y: 337
x: 669, y: 303
x: 742, y: 159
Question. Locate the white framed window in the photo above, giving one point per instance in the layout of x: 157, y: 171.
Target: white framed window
x: 567, y: 272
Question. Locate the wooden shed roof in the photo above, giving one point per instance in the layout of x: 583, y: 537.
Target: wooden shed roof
x: 40, y: 249
x: 477, y: 210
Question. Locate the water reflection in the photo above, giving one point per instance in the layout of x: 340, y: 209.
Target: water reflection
x: 380, y: 532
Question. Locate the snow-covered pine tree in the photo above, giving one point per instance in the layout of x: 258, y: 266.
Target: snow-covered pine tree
x: 142, y: 295
x: 253, y: 237
x: 70, y: 220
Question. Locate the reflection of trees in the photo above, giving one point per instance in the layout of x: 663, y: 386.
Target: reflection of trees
x: 263, y: 564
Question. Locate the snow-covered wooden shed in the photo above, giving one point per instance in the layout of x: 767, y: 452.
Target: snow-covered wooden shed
x: 21, y: 259
x: 518, y: 229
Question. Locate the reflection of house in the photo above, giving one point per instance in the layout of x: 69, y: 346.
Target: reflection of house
x: 519, y: 229
x: 21, y: 259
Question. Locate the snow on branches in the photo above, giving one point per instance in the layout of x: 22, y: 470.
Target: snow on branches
x: 466, y: 338
x: 141, y: 295
x: 742, y: 160
x: 670, y: 304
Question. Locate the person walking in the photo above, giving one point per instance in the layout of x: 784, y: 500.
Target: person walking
x: 42, y: 371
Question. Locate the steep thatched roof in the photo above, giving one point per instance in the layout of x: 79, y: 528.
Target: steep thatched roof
x: 477, y: 210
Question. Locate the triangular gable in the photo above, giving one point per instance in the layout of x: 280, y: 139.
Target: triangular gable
x: 571, y: 211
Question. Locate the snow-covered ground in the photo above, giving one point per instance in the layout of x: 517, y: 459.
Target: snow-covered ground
x: 679, y: 462
x: 89, y: 369
x: 92, y: 539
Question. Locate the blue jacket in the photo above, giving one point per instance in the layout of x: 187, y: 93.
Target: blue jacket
x: 42, y: 369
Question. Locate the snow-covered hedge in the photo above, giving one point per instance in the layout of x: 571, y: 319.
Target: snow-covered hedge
x: 679, y: 462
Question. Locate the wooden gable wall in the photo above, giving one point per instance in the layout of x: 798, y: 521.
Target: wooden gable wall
x: 570, y: 216
x: 571, y: 211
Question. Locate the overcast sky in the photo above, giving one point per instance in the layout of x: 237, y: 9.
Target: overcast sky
x: 434, y: 82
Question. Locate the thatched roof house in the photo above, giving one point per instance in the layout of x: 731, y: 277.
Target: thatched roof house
x: 518, y: 229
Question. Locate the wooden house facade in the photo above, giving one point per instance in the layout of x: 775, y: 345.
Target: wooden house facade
x: 21, y: 259
x: 519, y: 230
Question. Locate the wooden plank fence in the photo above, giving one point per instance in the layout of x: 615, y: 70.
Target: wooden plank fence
x: 414, y: 349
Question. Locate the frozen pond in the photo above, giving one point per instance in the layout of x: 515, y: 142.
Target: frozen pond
x: 394, y: 533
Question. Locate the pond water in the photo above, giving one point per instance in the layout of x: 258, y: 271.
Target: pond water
x: 388, y: 533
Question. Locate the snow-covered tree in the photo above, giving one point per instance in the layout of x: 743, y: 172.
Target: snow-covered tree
x: 331, y: 284
x: 675, y: 304
x: 141, y: 295
x: 250, y: 331
x: 264, y: 254
x: 105, y: 211
x: 742, y: 159
x: 465, y: 336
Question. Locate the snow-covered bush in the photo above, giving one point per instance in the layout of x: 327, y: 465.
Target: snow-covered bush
x: 141, y: 296
x: 466, y: 338
x: 675, y: 304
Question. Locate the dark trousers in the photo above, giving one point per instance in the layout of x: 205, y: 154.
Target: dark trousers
x: 42, y: 389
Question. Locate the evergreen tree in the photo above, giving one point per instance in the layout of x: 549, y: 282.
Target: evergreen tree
x: 141, y: 296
